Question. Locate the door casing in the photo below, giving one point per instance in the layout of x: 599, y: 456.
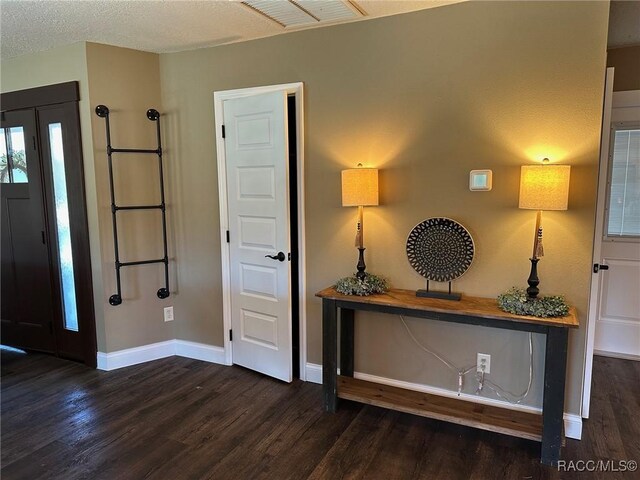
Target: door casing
x: 296, y: 89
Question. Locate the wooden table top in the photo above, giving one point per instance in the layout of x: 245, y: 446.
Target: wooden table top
x: 471, y: 306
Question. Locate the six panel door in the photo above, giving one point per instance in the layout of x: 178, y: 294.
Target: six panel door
x: 256, y: 149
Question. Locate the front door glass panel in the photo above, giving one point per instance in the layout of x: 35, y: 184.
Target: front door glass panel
x: 624, y: 186
x: 13, y: 159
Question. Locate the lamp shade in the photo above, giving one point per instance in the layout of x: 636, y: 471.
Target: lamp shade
x: 360, y: 187
x: 544, y: 187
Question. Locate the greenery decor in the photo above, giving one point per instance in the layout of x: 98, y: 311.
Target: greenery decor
x: 516, y: 301
x: 370, y: 285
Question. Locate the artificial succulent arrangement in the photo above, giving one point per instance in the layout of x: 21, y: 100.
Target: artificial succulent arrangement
x: 516, y: 301
x: 370, y: 285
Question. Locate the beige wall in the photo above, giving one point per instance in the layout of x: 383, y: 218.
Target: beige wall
x: 127, y: 81
x: 626, y: 61
x: 426, y: 97
x: 66, y: 64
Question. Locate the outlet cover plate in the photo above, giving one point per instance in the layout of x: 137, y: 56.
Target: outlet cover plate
x: 168, y: 314
x: 484, y: 359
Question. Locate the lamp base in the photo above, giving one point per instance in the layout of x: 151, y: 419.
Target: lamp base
x: 533, y: 280
x: 361, y: 265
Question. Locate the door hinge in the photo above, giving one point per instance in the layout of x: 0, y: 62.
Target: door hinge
x: 597, y: 267
x: 231, y: 335
x: 34, y: 143
x: 228, y: 241
x: 224, y: 133
x: 44, y: 242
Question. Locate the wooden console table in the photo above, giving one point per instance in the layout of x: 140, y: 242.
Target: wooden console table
x: 546, y: 428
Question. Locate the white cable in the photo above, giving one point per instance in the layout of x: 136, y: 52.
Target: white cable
x: 442, y: 359
x: 515, y: 398
x: 460, y: 371
x: 480, y: 376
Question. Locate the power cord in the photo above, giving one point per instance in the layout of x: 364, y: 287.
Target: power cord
x: 501, y: 392
x: 461, y: 372
x: 480, y: 376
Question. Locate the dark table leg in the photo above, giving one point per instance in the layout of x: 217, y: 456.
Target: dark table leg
x: 347, y: 342
x: 555, y: 366
x: 329, y: 354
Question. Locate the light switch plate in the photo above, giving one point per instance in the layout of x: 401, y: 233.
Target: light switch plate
x: 480, y: 180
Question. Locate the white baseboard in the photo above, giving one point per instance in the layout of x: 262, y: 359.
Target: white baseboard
x: 136, y: 355
x: 572, y: 423
x: 155, y: 351
x: 443, y: 392
x: 573, y: 426
x: 200, y: 351
x: 314, y: 373
x: 623, y: 356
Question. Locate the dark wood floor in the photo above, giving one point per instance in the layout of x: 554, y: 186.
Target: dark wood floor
x: 183, y: 419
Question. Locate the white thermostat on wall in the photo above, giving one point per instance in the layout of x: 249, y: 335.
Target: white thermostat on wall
x: 480, y: 180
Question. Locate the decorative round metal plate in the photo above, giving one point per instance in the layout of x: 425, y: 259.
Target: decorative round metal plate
x: 440, y: 249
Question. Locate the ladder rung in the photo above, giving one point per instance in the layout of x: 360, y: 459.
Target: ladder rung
x: 142, y: 262
x: 138, y: 207
x: 133, y: 150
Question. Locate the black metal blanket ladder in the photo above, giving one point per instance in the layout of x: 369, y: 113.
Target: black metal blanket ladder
x: 153, y: 115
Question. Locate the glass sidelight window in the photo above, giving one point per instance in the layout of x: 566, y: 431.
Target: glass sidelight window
x: 67, y: 278
x: 13, y: 159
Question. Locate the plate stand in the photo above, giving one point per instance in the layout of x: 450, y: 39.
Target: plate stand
x: 443, y: 295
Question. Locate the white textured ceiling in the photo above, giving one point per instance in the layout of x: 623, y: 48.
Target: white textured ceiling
x: 150, y: 25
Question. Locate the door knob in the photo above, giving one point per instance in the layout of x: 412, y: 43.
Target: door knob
x: 280, y: 257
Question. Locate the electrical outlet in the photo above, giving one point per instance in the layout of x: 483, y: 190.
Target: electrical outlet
x: 168, y: 314
x: 484, y: 363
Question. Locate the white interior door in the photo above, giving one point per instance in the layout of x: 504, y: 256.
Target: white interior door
x: 618, y: 306
x: 256, y: 151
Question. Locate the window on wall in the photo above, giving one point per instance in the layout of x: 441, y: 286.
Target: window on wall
x: 624, y: 183
x: 13, y: 159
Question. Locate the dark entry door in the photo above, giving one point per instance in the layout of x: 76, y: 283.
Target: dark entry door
x: 47, y: 297
x: 27, y: 312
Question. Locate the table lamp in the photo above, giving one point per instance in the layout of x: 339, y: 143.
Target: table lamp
x: 542, y: 187
x: 360, y: 189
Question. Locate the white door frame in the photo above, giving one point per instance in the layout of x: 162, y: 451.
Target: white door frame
x: 597, y: 239
x: 296, y: 89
